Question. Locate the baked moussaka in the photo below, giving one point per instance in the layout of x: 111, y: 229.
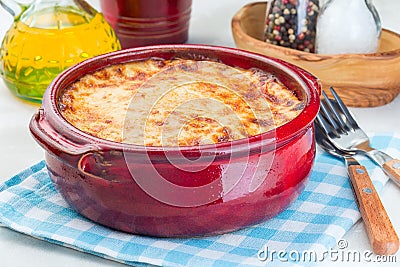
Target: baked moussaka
x: 177, y: 102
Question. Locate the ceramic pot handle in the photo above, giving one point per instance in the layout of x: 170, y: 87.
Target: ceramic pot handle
x: 90, y: 161
x: 55, y: 143
x: 12, y: 7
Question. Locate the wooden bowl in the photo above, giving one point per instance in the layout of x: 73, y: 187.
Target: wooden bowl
x: 362, y: 80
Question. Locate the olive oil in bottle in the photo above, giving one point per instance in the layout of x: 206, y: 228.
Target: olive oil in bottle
x: 47, y: 38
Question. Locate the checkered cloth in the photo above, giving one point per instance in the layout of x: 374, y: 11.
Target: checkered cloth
x: 315, y: 221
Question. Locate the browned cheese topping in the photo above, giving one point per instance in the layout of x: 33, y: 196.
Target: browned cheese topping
x: 182, y: 102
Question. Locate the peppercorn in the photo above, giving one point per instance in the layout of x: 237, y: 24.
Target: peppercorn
x: 288, y: 26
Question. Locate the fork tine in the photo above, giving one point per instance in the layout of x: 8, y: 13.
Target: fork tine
x: 323, y: 125
x: 344, y: 109
x: 338, y: 117
x: 327, y: 114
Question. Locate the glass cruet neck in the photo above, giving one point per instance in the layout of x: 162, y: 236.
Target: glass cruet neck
x: 13, y: 7
x: 56, y: 14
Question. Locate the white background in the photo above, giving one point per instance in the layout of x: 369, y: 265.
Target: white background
x: 210, y: 24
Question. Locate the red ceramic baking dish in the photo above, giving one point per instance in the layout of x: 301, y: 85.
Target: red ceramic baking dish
x: 180, y: 191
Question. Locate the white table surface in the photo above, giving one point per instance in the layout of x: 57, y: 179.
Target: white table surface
x: 210, y: 24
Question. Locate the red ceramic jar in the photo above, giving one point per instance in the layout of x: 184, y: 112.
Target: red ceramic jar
x: 147, y: 22
x: 208, y: 189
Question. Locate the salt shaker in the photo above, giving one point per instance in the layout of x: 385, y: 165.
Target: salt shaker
x: 292, y: 23
x: 346, y: 27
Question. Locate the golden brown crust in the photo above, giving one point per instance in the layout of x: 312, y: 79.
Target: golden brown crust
x: 177, y: 102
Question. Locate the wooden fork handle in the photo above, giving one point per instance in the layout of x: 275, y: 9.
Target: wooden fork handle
x: 382, y: 236
x: 392, y: 167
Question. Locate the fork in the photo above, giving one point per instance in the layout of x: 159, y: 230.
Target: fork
x: 382, y: 236
x: 345, y: 134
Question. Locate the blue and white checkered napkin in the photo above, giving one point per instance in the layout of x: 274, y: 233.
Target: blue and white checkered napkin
x: 315, y: 221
